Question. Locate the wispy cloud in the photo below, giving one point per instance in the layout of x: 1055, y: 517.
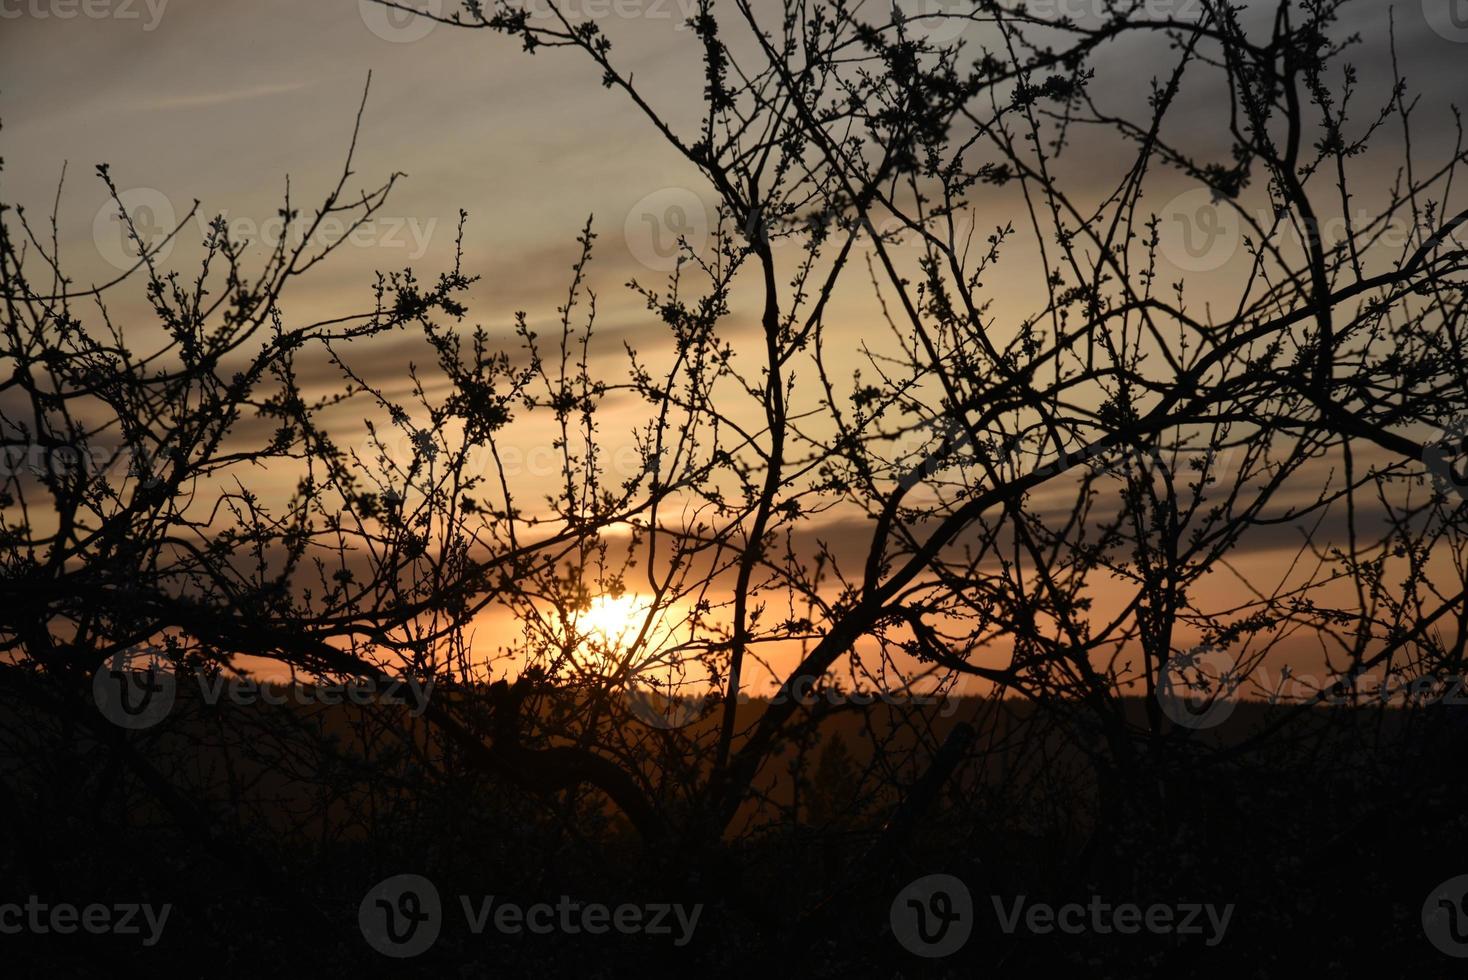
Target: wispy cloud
x: 200, y: 100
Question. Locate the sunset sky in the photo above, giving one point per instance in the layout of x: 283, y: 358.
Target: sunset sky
x: 222, y: 101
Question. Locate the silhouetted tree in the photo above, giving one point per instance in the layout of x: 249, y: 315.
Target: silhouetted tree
x: 1030, y: 477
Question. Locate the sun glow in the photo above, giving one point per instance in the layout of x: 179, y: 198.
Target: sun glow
x: 661, y: 685
x: 613, y: 622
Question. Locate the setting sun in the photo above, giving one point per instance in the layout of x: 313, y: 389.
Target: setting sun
x: 909, y: 487
x: 613, y: 622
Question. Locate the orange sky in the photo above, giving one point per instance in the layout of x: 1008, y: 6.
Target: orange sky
x: 221, y: 101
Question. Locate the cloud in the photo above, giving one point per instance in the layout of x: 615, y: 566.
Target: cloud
x: 202, y: 100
